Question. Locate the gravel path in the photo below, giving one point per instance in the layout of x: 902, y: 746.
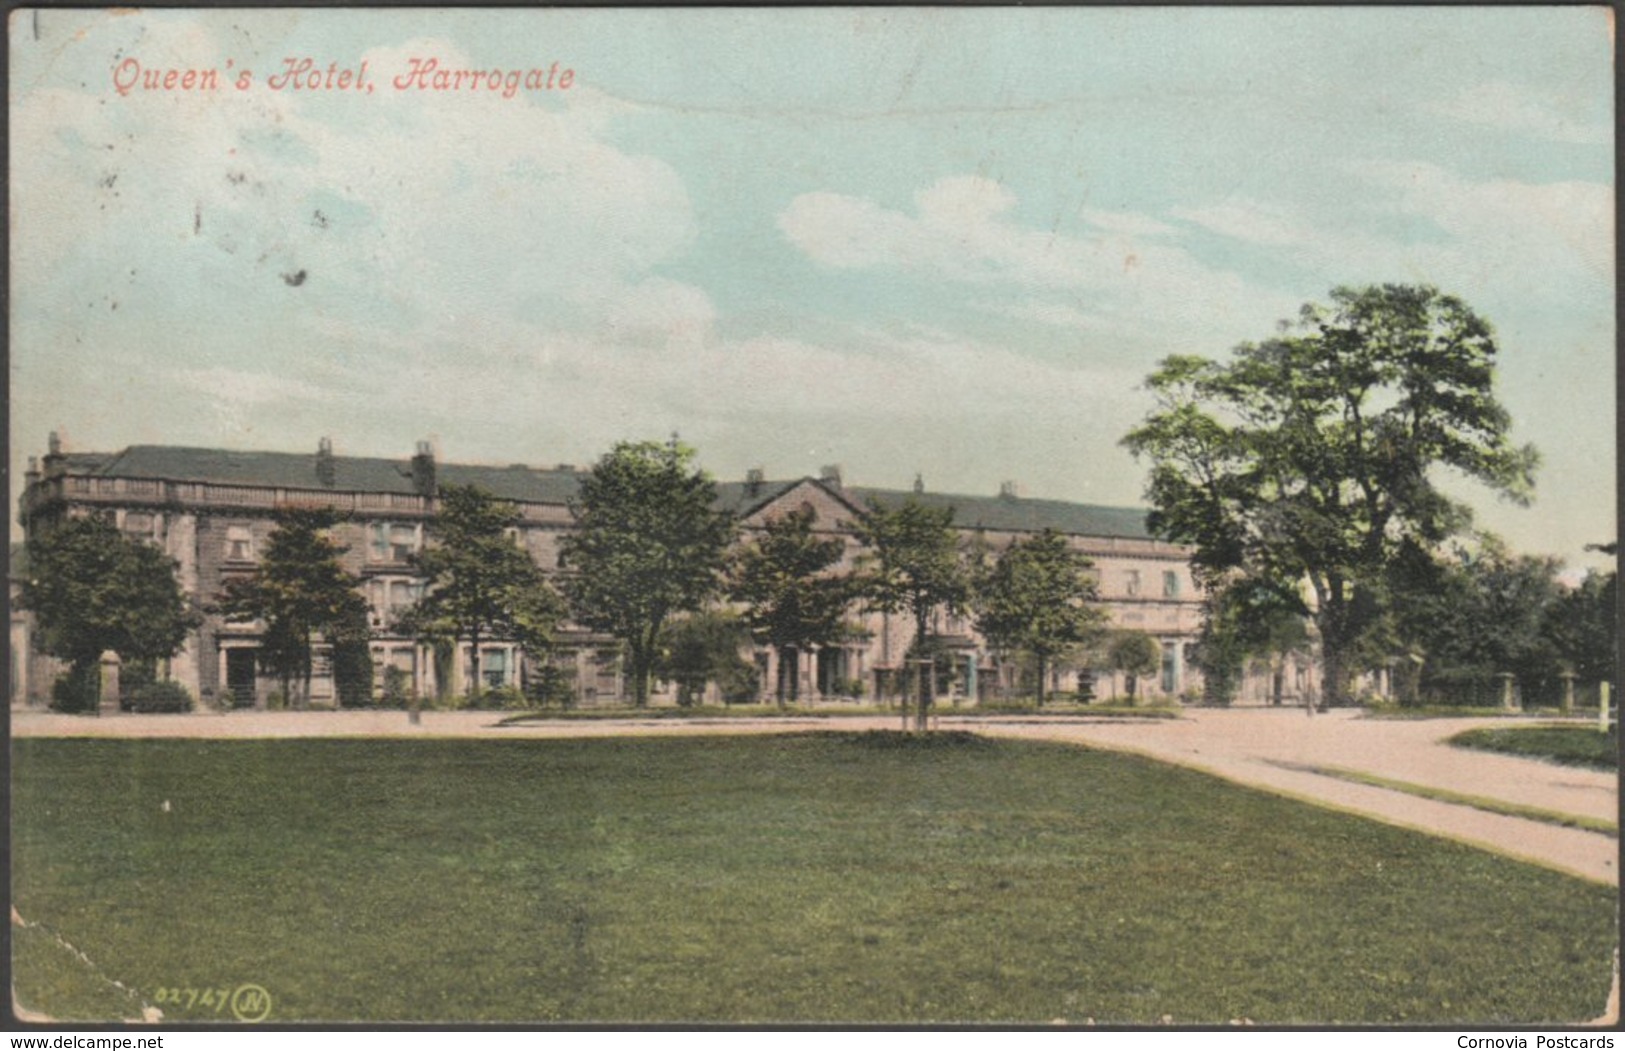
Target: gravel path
x: 1249, y: 746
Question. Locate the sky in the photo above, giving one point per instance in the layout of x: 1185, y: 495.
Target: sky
x: 949, y: 243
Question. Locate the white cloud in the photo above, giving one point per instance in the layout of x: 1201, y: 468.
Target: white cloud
x: 1251, y: 221
x: 1129, y: 224
x: 1525, y: 110
x: 1122, y: 274
x: 1505, y: 230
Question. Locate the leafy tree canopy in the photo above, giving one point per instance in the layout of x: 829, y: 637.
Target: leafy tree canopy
x: 784, y: 578
x: 480, y: 583
x: 301, y: 589
x: 1133, y: 653
x: 1038, y: 598
x: 1316, y: 455
x: 700, y: 648
x: 913, y: 565
x: 648, y: 543
x: 92, y: 589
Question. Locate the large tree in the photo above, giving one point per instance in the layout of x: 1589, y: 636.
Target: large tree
x: 1316, y: 456
x: 649, y: 543
x: 93, y: 590
x: 1038, y: 598
x: 792, y: 598
x: 480, y: 584
x: 914, y: 565
x: 301, y: 590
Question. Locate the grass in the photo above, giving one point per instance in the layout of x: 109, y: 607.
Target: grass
x: 797, y: 878
x: 1445, y: 711
x: 1571, y: 745
x: 1444, y: 795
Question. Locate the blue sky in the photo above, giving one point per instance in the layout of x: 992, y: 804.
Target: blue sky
x: 950, y: 242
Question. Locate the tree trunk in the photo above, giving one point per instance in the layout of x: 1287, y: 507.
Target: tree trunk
x: 789, y: 674
x: 307, y: 668
x: 637, y: 657
x: 1334, y: 689
x: 1042, y: 671
x: 474, y: 664
x: 927, y: 668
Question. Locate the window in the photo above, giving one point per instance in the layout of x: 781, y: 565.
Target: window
x: 389, y: 597
x: 393, y: 541
x: 239, y: 544
x: 1170, y: 667
x: 494, y: 668
x: 1170, y: 584
x: 1132, y: 587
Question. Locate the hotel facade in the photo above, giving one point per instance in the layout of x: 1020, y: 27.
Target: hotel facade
x: 212, y: 511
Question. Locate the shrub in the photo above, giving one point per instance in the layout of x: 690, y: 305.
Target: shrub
x: 165, y: 696
x: 500, y: 698
x: 552, y: 684
x: 77, y: 690
x: 397, y: 691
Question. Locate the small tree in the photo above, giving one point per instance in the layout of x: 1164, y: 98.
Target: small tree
x: 1135, y: 654
x: 1246, y: 619
x: 480, y: 585
x: 1038, y: 598
x: 914, y: 566
x: 792, y: 599
x: 93, y: 590
x: 700, y: 648
x: 649, y: 543
x: 1482, y: 613
x: 1583, y: 627
x: 300, y: 590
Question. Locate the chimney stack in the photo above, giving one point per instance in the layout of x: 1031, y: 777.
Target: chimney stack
x: 326, y: 469
x: 831, y: 473
x: 753, y: 481
x: 53, y: 455
x: 423, y: 482
x: 919, y: 482
x: 1009, y: 491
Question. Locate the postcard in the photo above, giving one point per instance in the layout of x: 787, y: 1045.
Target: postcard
x: 1006, y: 516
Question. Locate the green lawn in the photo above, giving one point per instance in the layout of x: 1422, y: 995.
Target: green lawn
x: 798, y: 878
x: 1571, y: 745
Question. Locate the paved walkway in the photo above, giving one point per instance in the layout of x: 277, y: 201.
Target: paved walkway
x: 1257, y: 747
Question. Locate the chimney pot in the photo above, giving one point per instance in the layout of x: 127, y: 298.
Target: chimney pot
x: 423, y: 471
x: 326, y: 470
x: 831, y: 472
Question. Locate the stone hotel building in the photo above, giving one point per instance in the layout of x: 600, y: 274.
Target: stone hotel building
x: 212, y: 511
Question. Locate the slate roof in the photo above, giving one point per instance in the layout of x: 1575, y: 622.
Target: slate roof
x: 556, y: 485
x: 1019, y: 514
x: 350, y: 473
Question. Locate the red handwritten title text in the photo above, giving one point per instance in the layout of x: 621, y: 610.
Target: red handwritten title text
x: 306, y: 74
